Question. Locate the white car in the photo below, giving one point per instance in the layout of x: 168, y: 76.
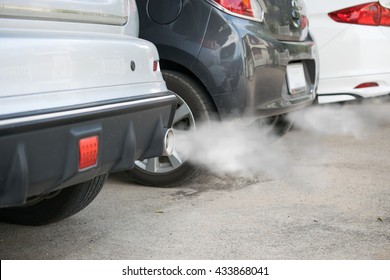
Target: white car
x: 353, y: 38
x: 80, y: 97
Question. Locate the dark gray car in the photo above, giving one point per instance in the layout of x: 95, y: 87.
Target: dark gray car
x: 228, y: 59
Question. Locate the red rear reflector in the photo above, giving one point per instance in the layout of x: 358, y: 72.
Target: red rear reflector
x: 155, y: 65
x: 241, y: 7
x: 365, y: 14
x: 367, y: 85
x: 88, y: 152
x: 305, y: 22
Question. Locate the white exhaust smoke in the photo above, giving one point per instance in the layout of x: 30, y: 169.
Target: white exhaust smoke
x: 358, y: 120
x: 226, y: 147
x: 231, y: 148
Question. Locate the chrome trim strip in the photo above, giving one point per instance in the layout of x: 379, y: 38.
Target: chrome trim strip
x: 25, y: 12
x: 85, y: 110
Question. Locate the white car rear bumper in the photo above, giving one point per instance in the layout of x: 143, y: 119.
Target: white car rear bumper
x: 343, y: 88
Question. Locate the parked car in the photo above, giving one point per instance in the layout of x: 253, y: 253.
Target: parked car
x: 80, y: 96
x: 353, y: 38
x: 227, y: 59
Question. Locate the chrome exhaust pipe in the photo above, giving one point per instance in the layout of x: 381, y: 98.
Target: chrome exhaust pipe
x: 169, y: 142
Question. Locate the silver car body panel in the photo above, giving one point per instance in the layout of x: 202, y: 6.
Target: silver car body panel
x: 45, y: 51
x: 115, y: 12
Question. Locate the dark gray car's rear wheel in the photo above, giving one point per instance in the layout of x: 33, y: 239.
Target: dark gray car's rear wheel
x: 55, y: 206
x: 194, y: 106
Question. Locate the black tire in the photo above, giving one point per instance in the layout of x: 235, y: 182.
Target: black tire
x: 55, y: 207
x: 201, y: 109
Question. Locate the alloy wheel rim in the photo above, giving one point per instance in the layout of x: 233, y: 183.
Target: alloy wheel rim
x: 183, y: 122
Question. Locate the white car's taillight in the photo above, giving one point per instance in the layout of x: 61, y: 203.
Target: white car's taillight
x: 245, y: 8
x: 366, y: 14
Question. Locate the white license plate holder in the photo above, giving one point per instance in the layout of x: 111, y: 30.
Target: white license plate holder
x: 296, y: 78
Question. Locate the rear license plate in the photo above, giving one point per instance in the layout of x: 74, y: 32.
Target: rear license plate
x: 296, y: 78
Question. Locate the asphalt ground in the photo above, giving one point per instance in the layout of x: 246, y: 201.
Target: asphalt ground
x: 333, y: 202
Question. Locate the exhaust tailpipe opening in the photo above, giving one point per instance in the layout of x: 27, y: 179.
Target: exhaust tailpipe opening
x: 169, y: 142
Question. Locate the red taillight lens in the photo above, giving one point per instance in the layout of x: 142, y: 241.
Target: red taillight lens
x: 242, y: 7
x: 365, y: 14
x: 88, y: 152
x: 385, y: 17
